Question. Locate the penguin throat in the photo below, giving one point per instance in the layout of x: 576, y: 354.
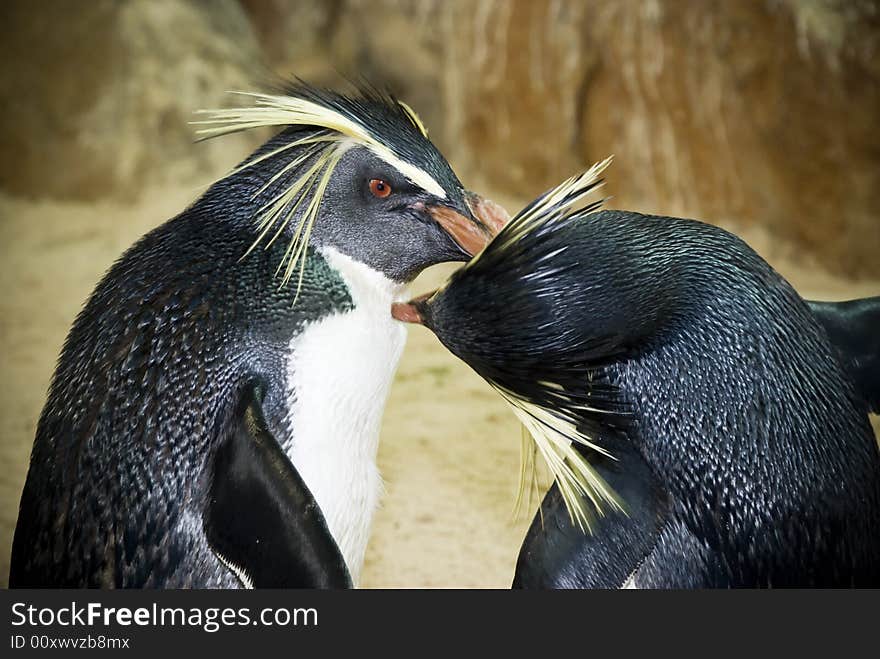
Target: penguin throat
x: 339, y: 375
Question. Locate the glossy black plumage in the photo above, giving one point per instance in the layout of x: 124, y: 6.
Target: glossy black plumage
x: 558, y: 554
x: 719, y: 375
x: 126, y: 487
x: 854, y: 329
x: 149, y: 376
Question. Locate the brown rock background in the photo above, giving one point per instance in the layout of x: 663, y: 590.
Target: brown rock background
x: 761, y: 115
x: 97, y: 96
x: 757, y: 112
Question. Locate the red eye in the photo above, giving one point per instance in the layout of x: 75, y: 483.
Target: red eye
x: 379, y: 188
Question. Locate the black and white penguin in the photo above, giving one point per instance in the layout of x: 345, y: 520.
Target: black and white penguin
x: 219, y: 397
x: 702, y: 429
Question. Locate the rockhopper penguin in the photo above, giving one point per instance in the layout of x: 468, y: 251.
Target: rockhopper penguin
x: 701, y: 428
x: 219, y: 396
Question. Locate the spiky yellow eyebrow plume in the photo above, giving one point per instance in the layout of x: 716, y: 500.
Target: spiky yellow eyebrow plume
x: 555, y: 205
x: 336, y: 133
x: 417, y: 122
x: 554, y: 431
x: 274, y: 110
x: 554, y: 437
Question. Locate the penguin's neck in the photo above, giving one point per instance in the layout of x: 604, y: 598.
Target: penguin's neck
x: 339, y: 376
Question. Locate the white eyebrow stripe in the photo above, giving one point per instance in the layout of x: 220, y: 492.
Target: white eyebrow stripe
x: 415, y: 174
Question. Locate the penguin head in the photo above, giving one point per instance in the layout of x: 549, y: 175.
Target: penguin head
x: 510, y: 314
x: 514, y: 304
x: 356, y: 173
x: 373, y: 212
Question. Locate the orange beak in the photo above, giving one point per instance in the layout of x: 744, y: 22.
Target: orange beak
x: 408, y: 312
x: 472, y: 235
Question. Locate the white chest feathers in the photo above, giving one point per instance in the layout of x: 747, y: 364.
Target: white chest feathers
x: 340, y: 372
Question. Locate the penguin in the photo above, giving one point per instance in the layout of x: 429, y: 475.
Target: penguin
x: 214, y: 416
x: 702, y: 427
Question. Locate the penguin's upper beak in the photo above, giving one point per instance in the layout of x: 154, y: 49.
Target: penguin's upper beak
x: 472, y: 233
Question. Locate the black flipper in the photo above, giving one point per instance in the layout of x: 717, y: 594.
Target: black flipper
x: 261, y: 517
x: 556, y: 553
x: 854, y: 329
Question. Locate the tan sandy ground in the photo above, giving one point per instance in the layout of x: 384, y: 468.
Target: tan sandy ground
x: 449, y: 452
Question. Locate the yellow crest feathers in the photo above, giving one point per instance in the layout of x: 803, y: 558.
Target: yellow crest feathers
x: 336, y: 127
x: 554, y: 431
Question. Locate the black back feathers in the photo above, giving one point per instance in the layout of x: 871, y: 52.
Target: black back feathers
x: 854, y: 329
x: 679, y: 336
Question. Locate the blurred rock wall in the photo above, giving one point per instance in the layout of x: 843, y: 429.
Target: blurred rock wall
x: 752, y: 111
x: 97, y: 95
